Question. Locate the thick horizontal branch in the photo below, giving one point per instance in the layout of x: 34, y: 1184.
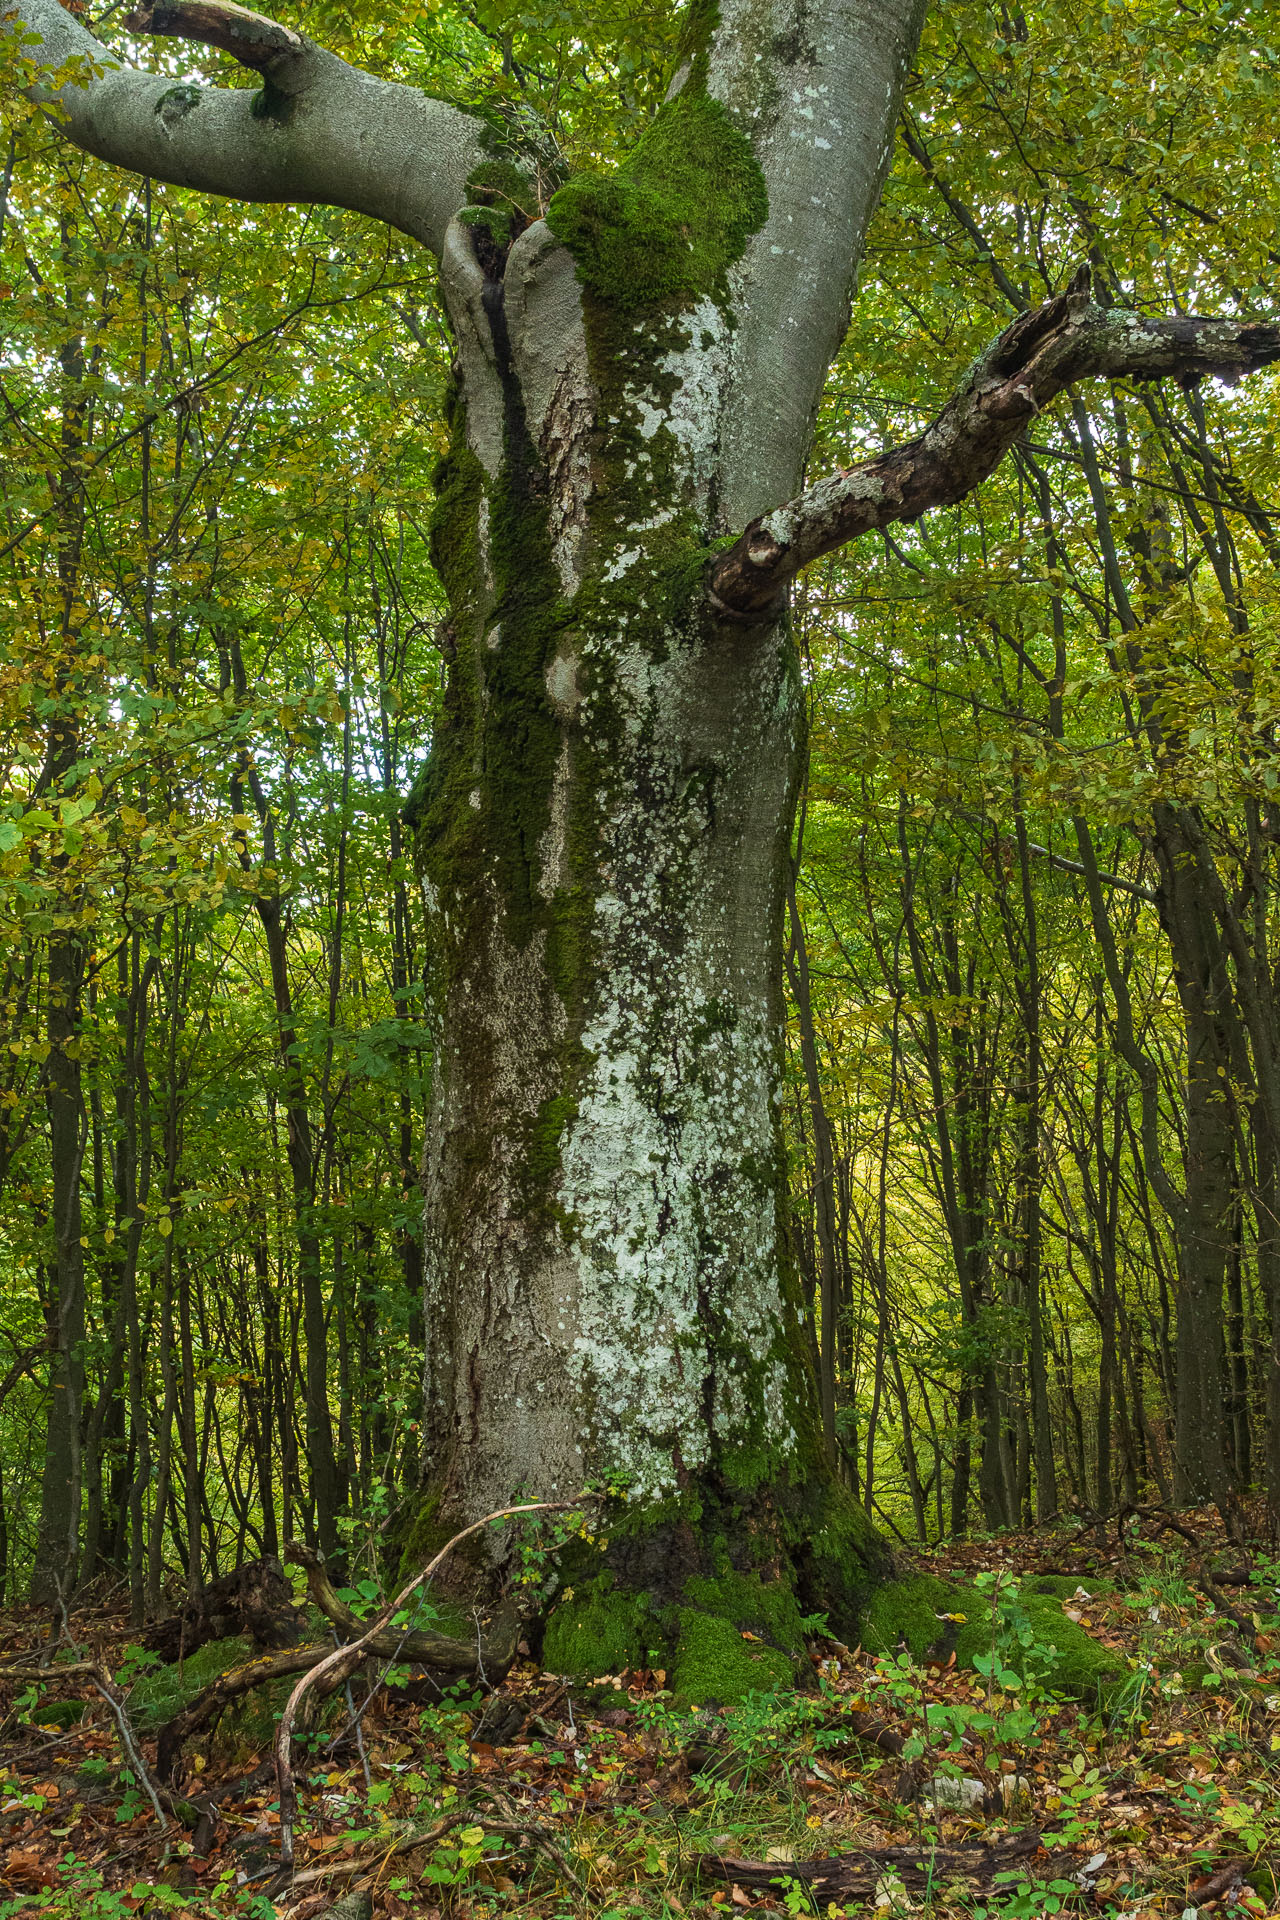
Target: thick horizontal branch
x: 1042, y: 353
x: 319, y: 132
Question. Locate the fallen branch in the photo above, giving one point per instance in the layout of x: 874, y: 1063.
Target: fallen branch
x: 451, y: 1657
x: 254, y: 1599
x: 1225, y: 1881
x: 1200, y: 1574
x: 416, y: 1647
x: 111, y: 1693
x: 513, y: 1824
x: 209, y: 1704
x: 832, y: 1877
x: 874, y: 1733
x: 46, y: 1673
x: 369, y: 1863
x: 512, y: 1827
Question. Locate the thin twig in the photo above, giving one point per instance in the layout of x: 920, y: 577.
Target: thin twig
x: 344, y: 1661
x: 107, y: 1687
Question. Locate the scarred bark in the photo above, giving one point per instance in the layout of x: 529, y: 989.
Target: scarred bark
x: 275, y: 51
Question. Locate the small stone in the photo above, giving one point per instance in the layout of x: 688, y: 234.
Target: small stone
x: 960, y: 1796
x: 352, y: 1906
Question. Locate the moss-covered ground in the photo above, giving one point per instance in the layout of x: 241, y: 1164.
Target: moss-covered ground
x: 636, y: 1796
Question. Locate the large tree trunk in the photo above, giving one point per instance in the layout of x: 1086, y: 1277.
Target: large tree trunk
x: 604, y: 827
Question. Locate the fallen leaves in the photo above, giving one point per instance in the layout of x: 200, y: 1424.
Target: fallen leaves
x: 541, y: 1791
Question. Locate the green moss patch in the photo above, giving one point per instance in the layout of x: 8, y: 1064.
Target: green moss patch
x: 58, y: 1713
x: 164, y: 1691
x: 247, y: 1726
x: 599, y: 1630
x: 677, y: 212
x: 914, y: 1610
x: 714, y: 1663
x: 768, y: 1609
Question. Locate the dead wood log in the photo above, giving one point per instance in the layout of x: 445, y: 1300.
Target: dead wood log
x: 212, y: 1701
x: 255, y: 1599
x: 921, y: 1869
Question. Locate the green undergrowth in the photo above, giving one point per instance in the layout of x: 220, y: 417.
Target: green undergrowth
x: 925, y: 1613
x: 636, y: 1782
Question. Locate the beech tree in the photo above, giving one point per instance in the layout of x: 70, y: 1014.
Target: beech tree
x: 604, y: 824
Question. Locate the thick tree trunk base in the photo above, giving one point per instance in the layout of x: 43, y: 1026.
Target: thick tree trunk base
x: 716, y: 1588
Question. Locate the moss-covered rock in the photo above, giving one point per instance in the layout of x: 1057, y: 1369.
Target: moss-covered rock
x: 916, y: 1611
x: 58, y: 1713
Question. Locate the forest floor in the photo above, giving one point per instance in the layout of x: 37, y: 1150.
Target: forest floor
x: 889, y: 1788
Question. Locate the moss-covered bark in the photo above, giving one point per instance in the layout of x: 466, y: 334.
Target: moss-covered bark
x: 603, y: 831
x: 924, y: 1613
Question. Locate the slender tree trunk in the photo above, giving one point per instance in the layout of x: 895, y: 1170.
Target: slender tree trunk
x: 58, y: 1529
x: 300, y: 1152
x: 824, y: 1185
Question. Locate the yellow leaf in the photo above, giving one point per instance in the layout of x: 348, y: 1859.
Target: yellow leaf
x: 165, y: 1226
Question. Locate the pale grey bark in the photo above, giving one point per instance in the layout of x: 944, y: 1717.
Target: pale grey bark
x: 817, y: 84
x: 641, y: 1327
x: 320, y: 132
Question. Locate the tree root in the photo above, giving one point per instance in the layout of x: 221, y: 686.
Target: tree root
x: 337, y: 1665
x: 419, y: 1647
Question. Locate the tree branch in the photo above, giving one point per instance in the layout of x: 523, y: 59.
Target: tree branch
x: 1033, y: 360
x: 250, y: 38
x: 1107, y: 879
x: 318, y: 133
